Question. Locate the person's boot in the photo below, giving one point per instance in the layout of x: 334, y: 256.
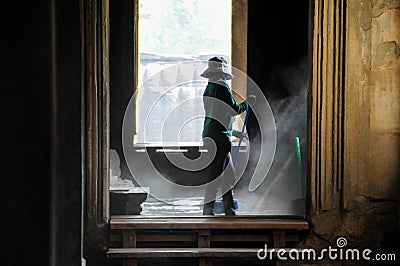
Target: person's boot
x: 208, y: 208
x: 229, y: 205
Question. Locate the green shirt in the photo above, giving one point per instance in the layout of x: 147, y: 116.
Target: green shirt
x: 220, y: 107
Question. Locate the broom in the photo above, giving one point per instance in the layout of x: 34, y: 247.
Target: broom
x: 299, y: 204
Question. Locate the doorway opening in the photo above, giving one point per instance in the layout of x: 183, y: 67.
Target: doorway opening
x: 276, y: 59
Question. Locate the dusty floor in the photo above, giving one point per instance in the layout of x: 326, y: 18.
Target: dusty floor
x: 192, y: 206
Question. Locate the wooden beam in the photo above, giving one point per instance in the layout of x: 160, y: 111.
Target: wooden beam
x: 206, y: 223
x: 213, y: 238
x: 204, y: 238
x: 129, y: 238
x: 125, y: 253
x: 95, y: 126
x: 279, y: 238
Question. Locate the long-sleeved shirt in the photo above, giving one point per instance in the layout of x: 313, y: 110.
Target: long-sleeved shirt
x: 220, y: 107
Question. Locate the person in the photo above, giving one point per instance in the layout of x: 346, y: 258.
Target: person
x: 220, y: 108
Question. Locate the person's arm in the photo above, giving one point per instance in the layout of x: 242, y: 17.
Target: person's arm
x: 227, y: 97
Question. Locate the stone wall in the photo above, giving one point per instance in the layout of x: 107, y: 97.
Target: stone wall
x: 368, y: 216
x: 384, y: 155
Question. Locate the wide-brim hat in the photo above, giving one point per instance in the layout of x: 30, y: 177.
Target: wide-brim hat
x: 217, y: 69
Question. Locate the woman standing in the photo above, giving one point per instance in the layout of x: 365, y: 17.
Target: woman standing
x: 220, y: 108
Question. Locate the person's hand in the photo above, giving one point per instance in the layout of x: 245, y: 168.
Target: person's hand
x: 251, y: 99
x: 238, y: 134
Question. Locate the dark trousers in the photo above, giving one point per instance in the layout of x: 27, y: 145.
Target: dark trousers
x: 221, y: 175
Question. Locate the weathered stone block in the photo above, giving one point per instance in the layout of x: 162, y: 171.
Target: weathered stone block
x: 384, y: 101
x: 385, y: 28
x: 384, y: 170
x: 387, y: 55
x: 380, y: 6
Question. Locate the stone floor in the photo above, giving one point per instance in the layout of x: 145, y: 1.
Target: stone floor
x: 192, y: 206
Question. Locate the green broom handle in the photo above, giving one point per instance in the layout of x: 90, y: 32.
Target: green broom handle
x: 299, y: 165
